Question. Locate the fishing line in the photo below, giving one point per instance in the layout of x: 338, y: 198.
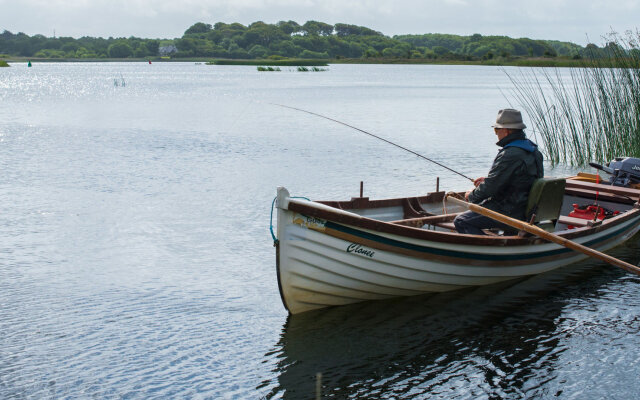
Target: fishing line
x: 375, y: 136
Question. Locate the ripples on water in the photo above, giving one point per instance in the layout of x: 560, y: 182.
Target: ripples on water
x: 570, y: 334
x: 135, y: 258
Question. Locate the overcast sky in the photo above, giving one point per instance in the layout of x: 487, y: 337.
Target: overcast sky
x: 578, y: 21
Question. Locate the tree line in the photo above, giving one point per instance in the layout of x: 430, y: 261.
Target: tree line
x: 312, y: 40
x: 39, y: 46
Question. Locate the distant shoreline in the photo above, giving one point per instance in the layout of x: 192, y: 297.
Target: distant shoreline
x: 516, y: 62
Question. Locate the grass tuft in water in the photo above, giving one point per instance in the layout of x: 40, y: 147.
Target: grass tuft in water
x: 268, y: 69
x: 593, y: 116
x: 312, y: 69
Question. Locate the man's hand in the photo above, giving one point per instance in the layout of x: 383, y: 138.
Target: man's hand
x: 478, y: 181
x: 466, y: 195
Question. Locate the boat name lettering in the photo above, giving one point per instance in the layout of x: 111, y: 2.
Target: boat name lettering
x: 356, y: 248
x: 309, y: 222
x: 314, y: 220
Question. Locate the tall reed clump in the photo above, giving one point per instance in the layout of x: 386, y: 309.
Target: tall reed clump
x: 594, y: 115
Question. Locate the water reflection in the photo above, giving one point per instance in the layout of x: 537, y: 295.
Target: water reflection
x: 497, y: 341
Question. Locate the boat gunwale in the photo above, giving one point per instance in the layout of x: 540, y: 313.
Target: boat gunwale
x: 579, y: 187
x: 340, y: 216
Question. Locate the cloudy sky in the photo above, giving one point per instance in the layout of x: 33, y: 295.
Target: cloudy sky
x: 578, y: 21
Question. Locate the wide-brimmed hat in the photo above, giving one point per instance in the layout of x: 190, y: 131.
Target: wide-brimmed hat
x: 510, y: 119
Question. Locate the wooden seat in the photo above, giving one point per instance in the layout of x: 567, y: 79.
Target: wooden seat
x: 579, y: 222
x: 434, y: 220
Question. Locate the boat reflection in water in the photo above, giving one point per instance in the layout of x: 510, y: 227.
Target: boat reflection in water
x: 501, y: 340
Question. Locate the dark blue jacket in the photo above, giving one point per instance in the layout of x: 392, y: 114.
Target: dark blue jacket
x: 506, y: 188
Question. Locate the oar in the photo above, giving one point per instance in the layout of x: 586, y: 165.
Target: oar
x: 546, y: 235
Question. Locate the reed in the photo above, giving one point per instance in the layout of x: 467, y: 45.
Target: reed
x: 3, y: 63
x: 595, y: 114
x: 269, y: 69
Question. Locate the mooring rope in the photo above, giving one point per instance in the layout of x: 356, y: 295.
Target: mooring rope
x: 273, y: 203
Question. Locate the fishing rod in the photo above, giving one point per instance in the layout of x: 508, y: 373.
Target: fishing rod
x: 377, y: 137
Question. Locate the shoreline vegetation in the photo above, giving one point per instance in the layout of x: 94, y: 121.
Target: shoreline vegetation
x: 595, y: 115
x: 558, y: 62
x: 260, y: 43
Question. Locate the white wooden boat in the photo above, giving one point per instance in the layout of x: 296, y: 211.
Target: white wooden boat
x: 331, y: 253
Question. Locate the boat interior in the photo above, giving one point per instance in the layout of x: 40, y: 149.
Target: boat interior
x: 555, y: 204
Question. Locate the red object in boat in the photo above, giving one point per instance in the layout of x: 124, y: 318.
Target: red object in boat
x: 590, y: 213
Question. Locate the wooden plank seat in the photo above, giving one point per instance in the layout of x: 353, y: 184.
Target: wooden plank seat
x: 436, y: 220
x: 579, y: 222
x: 631, y: 193
x: 444, y: 221
x: 593, y: 194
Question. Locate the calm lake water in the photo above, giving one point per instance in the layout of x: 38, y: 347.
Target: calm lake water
x: 136, y: 259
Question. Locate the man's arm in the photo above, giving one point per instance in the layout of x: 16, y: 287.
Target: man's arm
x: 499, y: 176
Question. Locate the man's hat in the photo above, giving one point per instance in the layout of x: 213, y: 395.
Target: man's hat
x: 510, y: 119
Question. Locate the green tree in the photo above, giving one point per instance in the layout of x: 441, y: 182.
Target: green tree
x: 70, y: 47
x: 152, y: 47
x: 120, y: 49
x: 258, y: 51
x: 393, y: 52
x: 49, y: 53
x: 481, y: 51
x: 347, y: 30
x: 371, y: 53
x: 84, y: 53
x: 236, y: 51
x: 198, y: 27
x: 428, y: 53
x: 288, y: 27
x: 263, y: 34
x: 440, y: 50
x: 230, y: 30
x: 312, y: 43
x: 317, y: 28
x: 286, y: 49
x: 141, y: 51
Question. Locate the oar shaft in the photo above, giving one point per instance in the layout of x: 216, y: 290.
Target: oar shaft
x: 546, y: 235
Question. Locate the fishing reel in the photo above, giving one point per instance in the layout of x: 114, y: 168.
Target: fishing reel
x: 624, y: 171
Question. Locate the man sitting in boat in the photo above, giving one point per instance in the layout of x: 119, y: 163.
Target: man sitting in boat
x: 506, y: 188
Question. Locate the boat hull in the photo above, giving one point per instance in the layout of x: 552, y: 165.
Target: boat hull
x: 323, y: 262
